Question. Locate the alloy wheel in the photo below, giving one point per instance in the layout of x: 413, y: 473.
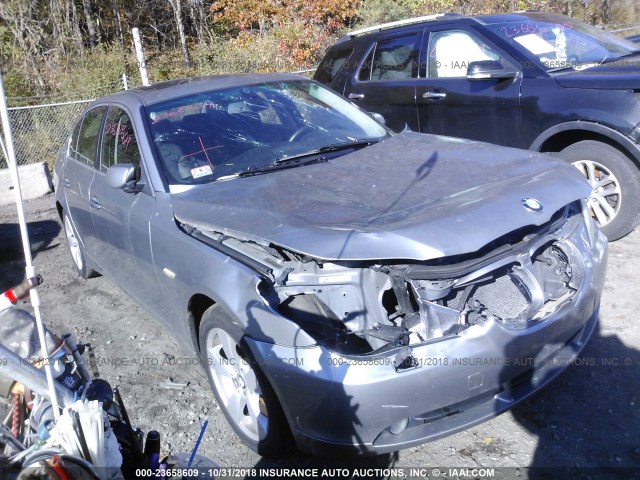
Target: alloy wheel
x: 236, y: 384
x: 606, y: 194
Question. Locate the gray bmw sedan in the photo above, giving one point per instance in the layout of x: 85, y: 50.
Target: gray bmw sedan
x: 346, y: 288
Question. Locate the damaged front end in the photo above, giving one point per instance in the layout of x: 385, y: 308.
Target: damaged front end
x: 433, y: 342
x: 369, y: 308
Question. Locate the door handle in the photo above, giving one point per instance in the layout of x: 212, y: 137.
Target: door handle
x: 66, y: 183
x: 356, y: 96
x: 95, y: 203
x: 434, y: 95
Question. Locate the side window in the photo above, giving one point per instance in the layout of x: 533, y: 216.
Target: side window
x: 365, y: 70
x: 393, y: 59
x: 72, y: 148
x: 89, y: 134
x: 332, y: 64
x: 451, y: 52
x: 119, y: 144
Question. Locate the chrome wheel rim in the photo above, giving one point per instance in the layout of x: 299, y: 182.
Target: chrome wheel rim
x: 236, y: 384
x: 72, y: 242
x: 606, y: 194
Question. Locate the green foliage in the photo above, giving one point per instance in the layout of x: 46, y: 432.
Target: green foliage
x: 374, y: 12
x: 17, y: 84
x: 99, y: 73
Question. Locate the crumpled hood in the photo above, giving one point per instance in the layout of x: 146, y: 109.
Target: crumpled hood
x: 620, y: 75
x: 413, y: 197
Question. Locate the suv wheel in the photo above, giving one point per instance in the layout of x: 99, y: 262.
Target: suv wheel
x: 615, y: 180
x: 241, y: 389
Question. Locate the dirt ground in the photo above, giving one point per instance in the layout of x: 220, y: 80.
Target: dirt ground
x: 589, y: 418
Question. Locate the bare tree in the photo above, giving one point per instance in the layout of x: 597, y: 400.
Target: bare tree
x: 116, y: 15
x: 74, y: 25
x: 91, y: 26
x: 177, y: 10
x: 22, y: 19
x: 196, y: 11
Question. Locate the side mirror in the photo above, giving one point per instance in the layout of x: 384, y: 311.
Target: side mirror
x: 488, y: 69
x: 124, y: 176
x: 378, y: 117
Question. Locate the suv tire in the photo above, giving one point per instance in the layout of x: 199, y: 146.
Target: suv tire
x: 616, y: 185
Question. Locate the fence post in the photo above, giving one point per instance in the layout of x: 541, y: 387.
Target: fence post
x: 125, y: 83
x: 142, y: 63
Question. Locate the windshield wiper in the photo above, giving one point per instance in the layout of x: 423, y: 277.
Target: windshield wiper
x: 294, y: 160
x: 325, y: 149
x: 268, y: 169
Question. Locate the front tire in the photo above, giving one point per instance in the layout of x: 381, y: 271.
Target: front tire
x: 615, y: 180
x: 241, y: 389
x: 76, y: 250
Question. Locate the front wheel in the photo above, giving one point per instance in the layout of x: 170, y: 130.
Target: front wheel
x: 241, y: 389
x: 615, y: 181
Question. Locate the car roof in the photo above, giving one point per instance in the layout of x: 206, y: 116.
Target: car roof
x: 488, y: 19
x: 491, y: 19
x: 173, y: 89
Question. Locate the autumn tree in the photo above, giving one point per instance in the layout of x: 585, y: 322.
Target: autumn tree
x: 258, y: 14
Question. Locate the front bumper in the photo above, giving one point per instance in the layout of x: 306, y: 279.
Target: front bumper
x: 362, y: 404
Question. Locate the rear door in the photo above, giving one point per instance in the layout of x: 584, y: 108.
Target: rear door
x: 385, y: 81
x: 78, y: 172
x: 121, y: 219
x: 451, y: 104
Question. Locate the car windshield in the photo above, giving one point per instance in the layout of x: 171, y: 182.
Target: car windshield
x: 564, y: 44
x: 223, y: 134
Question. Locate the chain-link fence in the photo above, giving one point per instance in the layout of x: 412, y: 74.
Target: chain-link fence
x: 39, y: 131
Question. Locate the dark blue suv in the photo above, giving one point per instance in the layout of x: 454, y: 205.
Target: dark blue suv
x: 529, y: 80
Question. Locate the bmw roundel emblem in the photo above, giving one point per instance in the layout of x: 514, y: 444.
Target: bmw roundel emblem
x: 532, y: 205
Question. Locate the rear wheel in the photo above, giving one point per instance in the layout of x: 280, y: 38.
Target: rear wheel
x: 76, y: 250
x: 615, y: 199
x: 241, y: 389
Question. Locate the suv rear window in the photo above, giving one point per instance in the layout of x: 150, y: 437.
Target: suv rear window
x: 332, y: 64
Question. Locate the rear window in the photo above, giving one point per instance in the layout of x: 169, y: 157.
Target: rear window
x: 87, y: 150
x: 332, y: 64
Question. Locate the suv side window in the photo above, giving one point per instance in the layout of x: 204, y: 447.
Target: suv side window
x: 451, y: 51
x: 89, y: 134
x: 332, y: 65
x: 392, y: 59
x: 119, y: 144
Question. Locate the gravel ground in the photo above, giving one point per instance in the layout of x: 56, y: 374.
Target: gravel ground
x: 588, y: 418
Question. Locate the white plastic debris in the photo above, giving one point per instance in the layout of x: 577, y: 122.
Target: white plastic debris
x: 83, y: 430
